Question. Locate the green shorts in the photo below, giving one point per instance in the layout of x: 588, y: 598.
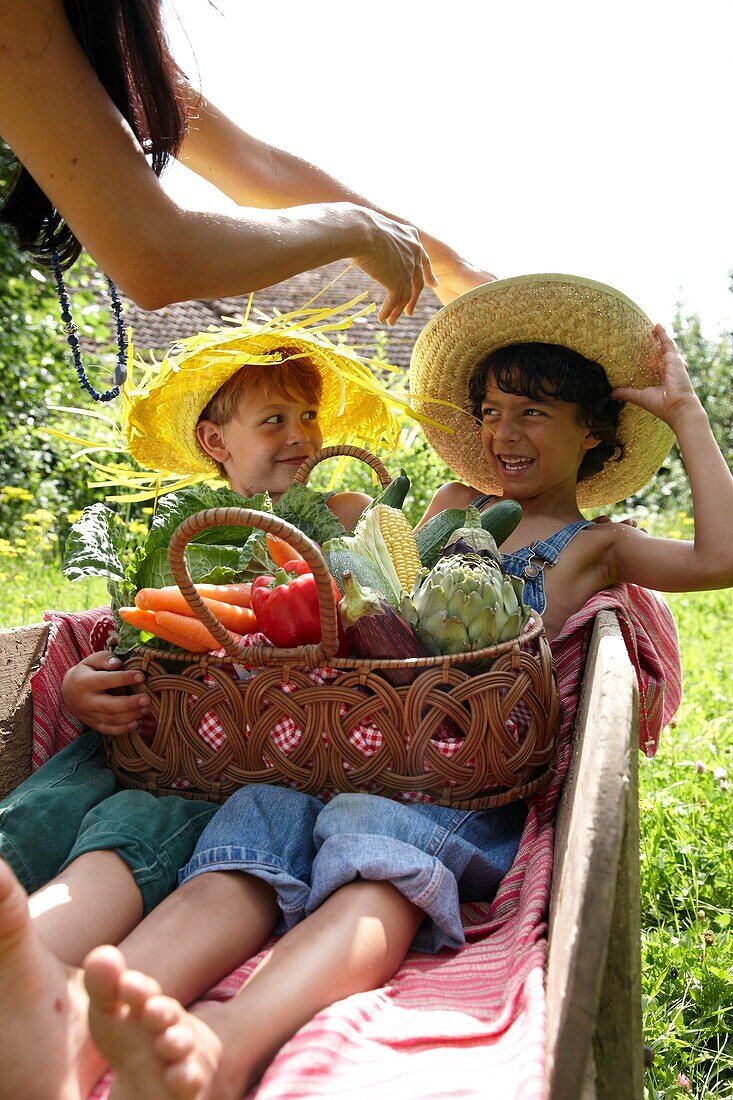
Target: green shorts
x: 74, y: 804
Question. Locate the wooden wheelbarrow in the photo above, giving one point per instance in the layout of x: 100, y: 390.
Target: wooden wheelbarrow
x: 594, y: 1038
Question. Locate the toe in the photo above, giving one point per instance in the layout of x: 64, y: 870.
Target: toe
x: 186, y: 1080
x: 103, y: 968
x: 175, y: 1043
x: 161, y: 1012
x: 13, y: 903
x: 136, y: 988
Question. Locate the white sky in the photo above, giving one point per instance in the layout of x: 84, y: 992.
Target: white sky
x: 565, y: 135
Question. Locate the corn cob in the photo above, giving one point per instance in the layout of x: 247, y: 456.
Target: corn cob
x: 400, y: 542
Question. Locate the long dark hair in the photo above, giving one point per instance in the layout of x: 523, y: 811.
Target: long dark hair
x: 126, y: 45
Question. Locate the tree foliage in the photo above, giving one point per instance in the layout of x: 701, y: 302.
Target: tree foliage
x: 37, y: 374
x: 710, y: 363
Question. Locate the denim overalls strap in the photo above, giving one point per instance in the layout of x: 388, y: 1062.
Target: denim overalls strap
x: 482, y: 499
x: 529, y: 562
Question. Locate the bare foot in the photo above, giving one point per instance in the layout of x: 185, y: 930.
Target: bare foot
x: 158, y: 1050
x: 44, y: 1049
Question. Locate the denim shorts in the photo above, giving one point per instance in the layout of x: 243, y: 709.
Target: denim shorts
x: 73, y: 805
x: 306, y: 849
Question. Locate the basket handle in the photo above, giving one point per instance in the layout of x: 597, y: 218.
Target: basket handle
x: 305, y: 470
x: 308, y: 656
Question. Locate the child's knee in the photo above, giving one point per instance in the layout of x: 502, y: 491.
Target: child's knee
x: 261, y: 816
x: 355, y: 814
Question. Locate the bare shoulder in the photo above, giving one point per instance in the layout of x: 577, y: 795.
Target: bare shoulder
x: 605, y: 533
x: 614, y: 530
x: 454, y: 494
x: 347, y: 507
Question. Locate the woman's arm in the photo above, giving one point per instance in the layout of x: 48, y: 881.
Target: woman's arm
x: 61, y: 124
x: 253, y: 173
x: 669, y: 564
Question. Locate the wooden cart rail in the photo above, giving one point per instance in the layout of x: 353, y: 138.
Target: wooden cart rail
x: 594, y: 1042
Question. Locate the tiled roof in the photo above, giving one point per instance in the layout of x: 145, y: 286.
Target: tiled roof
x: 161, y: 328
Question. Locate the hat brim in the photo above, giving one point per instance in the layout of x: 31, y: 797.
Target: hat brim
x: 590, y: 318
x: 162, y: 415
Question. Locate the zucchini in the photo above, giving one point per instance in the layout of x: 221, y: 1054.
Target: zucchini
x: 433, y: 535
x: 393, y: 494
x: 340, y: 561
x: 500, y: 519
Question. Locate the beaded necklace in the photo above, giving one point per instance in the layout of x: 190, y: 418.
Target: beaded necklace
x: 71, y: 329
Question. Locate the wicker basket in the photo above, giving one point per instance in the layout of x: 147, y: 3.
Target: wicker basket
x: 492, y: 765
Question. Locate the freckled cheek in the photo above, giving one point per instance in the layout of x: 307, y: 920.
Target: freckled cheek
x: 316, y: 436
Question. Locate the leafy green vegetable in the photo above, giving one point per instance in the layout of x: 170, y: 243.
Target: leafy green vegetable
x: 175, y: 507
x: 217, y: 564
x: 307, y: 510
x: 91, y: 548
x: 253, y: 557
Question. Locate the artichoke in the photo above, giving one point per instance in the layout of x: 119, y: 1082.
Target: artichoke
x: 465, y: 603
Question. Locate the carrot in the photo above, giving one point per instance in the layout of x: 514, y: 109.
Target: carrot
x: 148, y: 621
x: 238, y: 594
x: 171, y: 599
x: 191, y: 634
x: 241, y: 619
x: 281, y: 551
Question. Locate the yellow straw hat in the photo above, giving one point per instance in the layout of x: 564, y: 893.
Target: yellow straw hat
x: 587, y: 317
x: 162, y: 409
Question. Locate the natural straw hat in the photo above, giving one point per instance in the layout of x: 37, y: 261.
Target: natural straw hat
x: 163, y: 408
x: 588, y: 317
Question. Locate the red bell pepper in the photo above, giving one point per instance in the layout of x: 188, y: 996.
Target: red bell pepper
x: 286, y: 606
x: 299, y: 566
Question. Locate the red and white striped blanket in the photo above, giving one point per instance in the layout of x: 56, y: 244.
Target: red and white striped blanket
x: 461, y: 1023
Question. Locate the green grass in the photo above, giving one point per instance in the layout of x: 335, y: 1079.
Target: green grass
x: 32, y: 588
x: 687, y: 866
x: 686, y: 846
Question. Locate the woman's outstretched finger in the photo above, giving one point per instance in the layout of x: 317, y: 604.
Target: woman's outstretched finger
x: 418, y: 285
x: 393, y: 305
x: 404, y: 297
x: 429, y: 276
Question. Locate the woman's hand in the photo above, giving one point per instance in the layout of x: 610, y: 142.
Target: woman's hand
x: 397, y: 260
x: 86, y: 689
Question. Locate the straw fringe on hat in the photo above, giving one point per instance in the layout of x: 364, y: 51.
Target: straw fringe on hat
x: 162, y: 401
x: 587, y: 317
x: 162, y: 408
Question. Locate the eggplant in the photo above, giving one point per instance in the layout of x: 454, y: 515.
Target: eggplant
x: 472, y: 539
x: 374, y: 629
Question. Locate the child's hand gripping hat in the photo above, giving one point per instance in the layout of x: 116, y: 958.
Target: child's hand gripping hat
x: 588, y: 317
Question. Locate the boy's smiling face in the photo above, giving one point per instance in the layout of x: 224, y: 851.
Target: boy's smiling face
x: 266, y: 441
x: 534, y: 445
